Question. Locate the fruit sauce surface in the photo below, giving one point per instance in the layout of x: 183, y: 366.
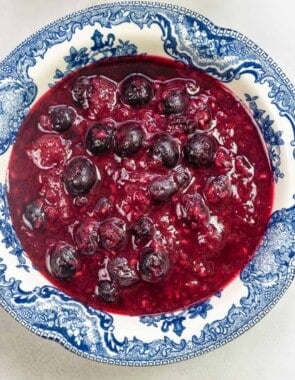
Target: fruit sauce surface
x: 139, y: 185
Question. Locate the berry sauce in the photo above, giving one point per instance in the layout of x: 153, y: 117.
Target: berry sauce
x: 139, y: 185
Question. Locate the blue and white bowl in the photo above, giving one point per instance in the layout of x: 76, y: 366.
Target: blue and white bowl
x: 164, y: 30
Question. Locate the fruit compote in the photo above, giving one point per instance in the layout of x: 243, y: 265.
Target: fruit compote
x: 139, y: 185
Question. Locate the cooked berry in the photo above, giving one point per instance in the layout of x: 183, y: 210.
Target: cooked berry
x: 153, y: 265
x: 165, y: 149
x: 162, y: 188
x: 81, y: 91
x: 62, y: 260
x: 128, y: 139
x: 217, y: 189
x: 87, y: 237
x: 34, y: 215
x: 121, y: 272
x: 79, y: 176
x: 181, y: 176
x: 62, y: 118
x: 113, y: 234
x: 99, y: 138
x: 174, y: 101
x: 144, y: 228
x: 103, y: 207
x: 109, y: 291
x: 200, y: 150
x: 136, y: 90
x: 194, y: 209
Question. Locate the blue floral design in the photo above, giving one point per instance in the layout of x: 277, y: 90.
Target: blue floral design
x: 77, y: 58
x: 175, y: 321
x: 103, y: 47
x: 272, y: 138
x: 9, y: 239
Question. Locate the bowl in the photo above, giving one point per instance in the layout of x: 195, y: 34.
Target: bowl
x: 134, y: 28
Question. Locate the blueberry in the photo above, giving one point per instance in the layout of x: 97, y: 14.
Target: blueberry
x: 181, y: 176
x: 103, y: 207
x: 79, y: 176
x: 174, y: 101
x: 99, y: 138
x: 162, y: 188
x: 113, y: 234
x: 166, y: 150
x: 128, y: 139
x: 81, y: 91
x: 109, y: 291
x: 200, y: 150
x: 121, y: 272
x: 87, y: 238
x: 34, y: 215
x: 62, y: 260
x: 194, y: 209
x: 62, y: 117
x: 136, y: 90
x: 153, y: 265
x: 144, y: 228
x: 217, y: 189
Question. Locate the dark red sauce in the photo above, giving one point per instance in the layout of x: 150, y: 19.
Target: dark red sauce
x: 139, y: 185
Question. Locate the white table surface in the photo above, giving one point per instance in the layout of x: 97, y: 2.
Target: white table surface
x: 267, y: 351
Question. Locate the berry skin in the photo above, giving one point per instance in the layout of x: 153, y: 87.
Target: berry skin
x: 121, y: 272
x: 144, y: 228
x: 62, y: 260
x: 87, y: 238
x: 166, y: 150
x: 200, y: 150
x: 62, y: 118
x: 162, y: 189
x: 109, y: 291
x: 79, y: 176
x: 174, y: 101
x: 99, y: 139
x: 136, y: 90
x: 81, y: 91
x: 113, y: 234
x: 128, y: 139
x: 153, y: 265
x: 34, y: 215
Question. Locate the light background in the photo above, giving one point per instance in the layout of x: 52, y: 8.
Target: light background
x: 267, y: 351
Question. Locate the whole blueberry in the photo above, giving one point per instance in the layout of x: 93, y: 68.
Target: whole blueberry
x: 144, y: 228
x: 86, y: 237
x: 121, y: 272
x: 153, y: 265
x: 81, y: 91
x: 62, y: 260
x: 174, y: 101
x: 200, y: 150
x: 62, y: 117
x: 165, y: 149
x: 109, y: 291
x: 128, y: 139
x: 79, y: 176
x: 162, y: 189
x: 113, y: 234
x: 99, y: 138
x: 136, y: 90
x: 34, y: 215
